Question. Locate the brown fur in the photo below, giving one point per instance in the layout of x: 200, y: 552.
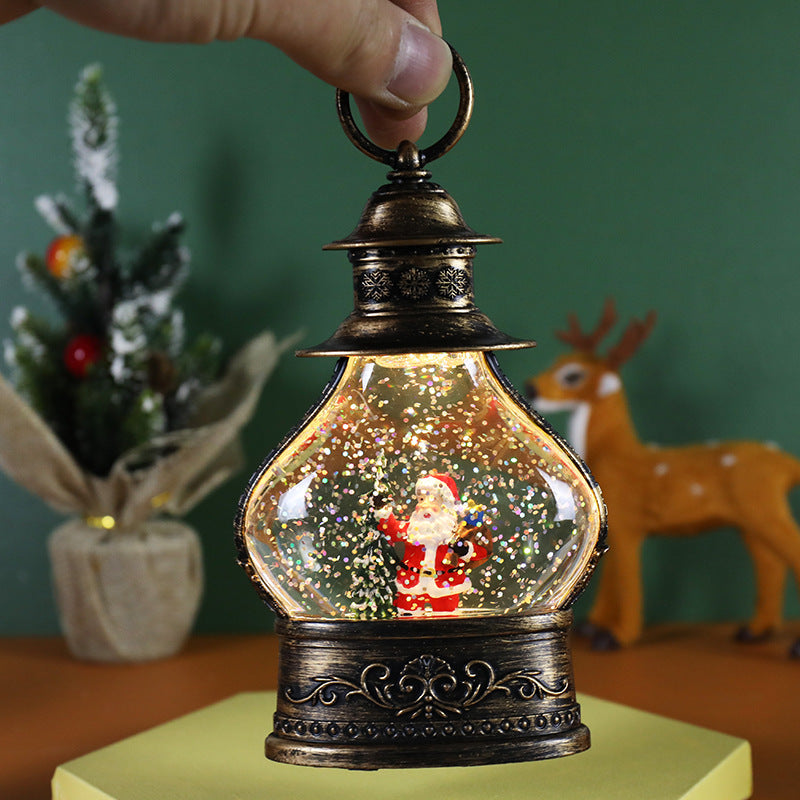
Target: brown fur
x: 675, y: 491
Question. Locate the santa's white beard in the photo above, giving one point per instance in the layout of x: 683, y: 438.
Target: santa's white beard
x: 430, y: 531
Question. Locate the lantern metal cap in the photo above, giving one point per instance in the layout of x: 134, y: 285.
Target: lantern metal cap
x: 412, y: 256
x: 410, y: 211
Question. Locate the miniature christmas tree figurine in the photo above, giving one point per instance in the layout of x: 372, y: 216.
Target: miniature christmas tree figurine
x: 116, y: 420
x: 117, y: 372
x: 374, y: 565
x: 441, y: 543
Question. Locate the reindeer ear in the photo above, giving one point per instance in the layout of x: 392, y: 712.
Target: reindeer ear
x: 609, y: 383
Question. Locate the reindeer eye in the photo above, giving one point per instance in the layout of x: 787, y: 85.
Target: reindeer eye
x: 571, y: 375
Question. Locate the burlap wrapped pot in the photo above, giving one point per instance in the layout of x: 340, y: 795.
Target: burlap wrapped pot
x: 127, y: 581
x: 129, y: 596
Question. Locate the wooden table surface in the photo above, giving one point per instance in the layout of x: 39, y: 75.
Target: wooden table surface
x: 54, y: 708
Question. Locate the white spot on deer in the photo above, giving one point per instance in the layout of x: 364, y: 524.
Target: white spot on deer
x: 661, y: 469
x: 728, y: 460
x: 697, y: 489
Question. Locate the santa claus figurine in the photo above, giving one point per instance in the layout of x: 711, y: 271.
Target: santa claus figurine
x: 440, y: 547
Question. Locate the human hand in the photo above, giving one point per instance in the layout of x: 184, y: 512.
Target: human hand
x: 388, y: 55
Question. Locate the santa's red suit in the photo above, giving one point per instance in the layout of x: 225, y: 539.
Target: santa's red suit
x: 433, y: 568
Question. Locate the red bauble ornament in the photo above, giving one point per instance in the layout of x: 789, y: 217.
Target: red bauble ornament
x: 61, y: 254
x: 81, y: 352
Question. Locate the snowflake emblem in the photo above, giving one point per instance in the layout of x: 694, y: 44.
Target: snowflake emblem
x: 414, y: 283
x: 375, y: 285
x: 452, y: 282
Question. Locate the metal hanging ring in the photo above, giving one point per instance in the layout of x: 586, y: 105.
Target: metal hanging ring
x: 437, y: 149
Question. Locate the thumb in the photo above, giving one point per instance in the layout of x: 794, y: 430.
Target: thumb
x: 374, y: 49
x: 392, y: 63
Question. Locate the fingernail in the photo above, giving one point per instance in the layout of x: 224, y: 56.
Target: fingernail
x: 422, y: 67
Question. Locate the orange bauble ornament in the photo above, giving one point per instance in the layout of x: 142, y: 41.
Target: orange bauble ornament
x: 61, y: 254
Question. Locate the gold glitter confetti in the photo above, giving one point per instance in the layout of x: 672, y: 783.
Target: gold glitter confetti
x: 313, y: 519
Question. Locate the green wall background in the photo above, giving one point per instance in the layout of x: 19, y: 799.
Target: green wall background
x: 646, y: 151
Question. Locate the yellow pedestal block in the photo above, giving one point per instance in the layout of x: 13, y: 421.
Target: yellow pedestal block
x: 217, y: 754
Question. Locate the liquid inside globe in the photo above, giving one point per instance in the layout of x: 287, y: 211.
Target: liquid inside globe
x: 420, y: 486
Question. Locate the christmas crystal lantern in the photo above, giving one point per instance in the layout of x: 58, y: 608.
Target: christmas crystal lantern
x: 422, y: 534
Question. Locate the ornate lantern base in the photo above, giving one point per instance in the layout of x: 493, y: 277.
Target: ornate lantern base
x: 426, y: 692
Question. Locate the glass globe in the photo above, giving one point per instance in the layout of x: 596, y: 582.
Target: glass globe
x: 420, y: 486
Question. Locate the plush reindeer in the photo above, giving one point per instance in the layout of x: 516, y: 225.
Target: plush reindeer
x: 676, y: 491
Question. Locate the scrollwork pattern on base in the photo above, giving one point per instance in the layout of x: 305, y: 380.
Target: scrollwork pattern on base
x: 429, y: 687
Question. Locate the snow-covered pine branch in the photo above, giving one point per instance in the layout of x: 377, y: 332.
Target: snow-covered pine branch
x: 93, y: 125
x: 52, y: 211
x: 24, y: 266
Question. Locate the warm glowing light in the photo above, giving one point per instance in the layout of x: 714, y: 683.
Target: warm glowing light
x: 525, y: 516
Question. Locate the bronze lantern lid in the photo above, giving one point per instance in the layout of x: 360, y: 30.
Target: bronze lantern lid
x: 412, y: 256
x: 410, y: 211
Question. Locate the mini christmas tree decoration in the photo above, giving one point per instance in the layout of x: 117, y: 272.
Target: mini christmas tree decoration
x: 421, y: 535
x: 119, y: 418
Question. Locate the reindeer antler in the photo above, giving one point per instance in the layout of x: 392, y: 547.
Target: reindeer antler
x: 631, y: 340
x: 587, y: 342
